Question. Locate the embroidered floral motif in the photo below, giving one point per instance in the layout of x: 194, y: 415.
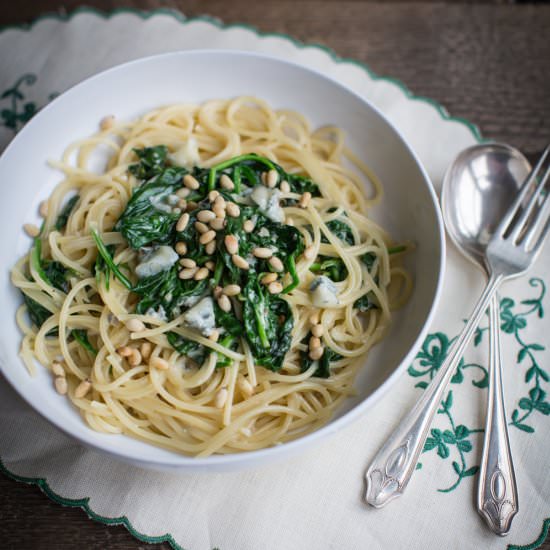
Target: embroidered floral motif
x: 18, y: 112
x: 456, y: 441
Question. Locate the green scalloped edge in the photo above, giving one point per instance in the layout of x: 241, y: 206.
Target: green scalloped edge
x: 83, y: 503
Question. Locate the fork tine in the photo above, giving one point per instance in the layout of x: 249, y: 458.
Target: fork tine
x: 540, y: 221
x: 509, y: 216
x: 519, y: 225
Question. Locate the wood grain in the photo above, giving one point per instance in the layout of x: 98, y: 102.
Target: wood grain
x: 487, y: 62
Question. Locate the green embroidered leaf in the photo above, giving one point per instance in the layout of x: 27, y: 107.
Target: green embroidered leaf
x: 530, y: 373
x: 461, y: 431
x: 448, y: 403
x: 443, y: 450
x: 418, y: 466
x: 543, y: 408
x: 458, y: 377
x: 525, y: 404
x: 525, y: 428
x: 537, y: 347
x: 506, y: 303
x: 478, y: 337
x: 537, y: 394
x: 470, y: 471
x: 522, y: 354
x: 484, y: 382
x: 515, y: 415
x: 457, y: 468
x: 449, y: 437
x: 430, y: 444
x: 543, y: 374
x: 464, y: 445
x: 413, y: 372
x: 422, y: 385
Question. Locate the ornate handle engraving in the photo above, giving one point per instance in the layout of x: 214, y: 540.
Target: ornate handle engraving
x: 499, y: 510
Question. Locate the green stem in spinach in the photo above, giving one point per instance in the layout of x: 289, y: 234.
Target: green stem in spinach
x: 237, y: 179
x: 235, y: 160
x: 36, y: 259
x: 397, y: 249
x: 102, y: 249
x: 81, y: 336
x: 292, y: 270
x: 260, y: 325
x: 217, y: 273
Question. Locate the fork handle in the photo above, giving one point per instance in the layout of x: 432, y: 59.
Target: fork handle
x: 393, y: 466
x: 497, y: 499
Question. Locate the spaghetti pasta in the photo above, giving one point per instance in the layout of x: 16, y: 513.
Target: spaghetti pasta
x: 152, y: 371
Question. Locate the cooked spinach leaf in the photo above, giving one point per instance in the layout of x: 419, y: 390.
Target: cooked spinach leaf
x: 152, y: 161
x: 195, y: 351
x: 81, y: 336
x: 323, y: 364
x: 104, y: 253
x: 65, y: 213
x: 38, y: 314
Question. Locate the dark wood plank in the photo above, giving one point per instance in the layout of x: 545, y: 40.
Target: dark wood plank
x: 487, y: 62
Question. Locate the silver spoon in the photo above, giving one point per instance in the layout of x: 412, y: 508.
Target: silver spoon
x: 478, y: 189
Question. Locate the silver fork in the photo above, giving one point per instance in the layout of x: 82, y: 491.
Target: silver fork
x: 512, y: 249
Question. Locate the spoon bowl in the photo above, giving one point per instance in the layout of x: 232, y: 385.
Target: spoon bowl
x: 478, y: 189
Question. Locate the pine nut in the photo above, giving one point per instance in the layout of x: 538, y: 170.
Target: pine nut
x: 233, y: 210
x: 217, y: 224
x: 314, y: 342
x: 261, y: 252
x: 239, y: 261
x: 176, y: 210
x: 317, y: 330
x: 43, y: 209
x: 213, y: 195
x: 159, y: 363
x: 188, y: 262
x: 210, y: 264
x: 263, y: 177
x: 190, y: 182
x: 285, y: 187
x: 135, y: 325
x: 191, y: 205
x: 314, y: 317
x: 226, y: 182
x: 304, y: 199
x: 124, y: 351
x: 107, y: 122
x: 210, y: 247
x: 182, y: 203
x: 31, y: 230
x: 183, y: 192
x: 220, y: 202
x: 316, y: 353
x: 188, y: 273
x: 57, y: 369
x: 248, y: 226
x: 214, y: 336
x: 201, y: 274
x: 205, y: 238
x: 182, y: 222
x: 245, y: 386
x: 269, y: 278
x: 181, y: 248
x: 201, y: 227
x: 231, y: 244
x: 135, y: 359
x: 225, y: 303
x: 272, y: 178
x: 146, y: 349
x: 219, y: 211
x: 275, y: 288
x: 61, y: 385
x: 309, y: 252
x: 231, y: 290
x: 206, y: 216
x: 221, y: 398
x: 82, y: 389
x: 276, y: 264
x: 217, y: 292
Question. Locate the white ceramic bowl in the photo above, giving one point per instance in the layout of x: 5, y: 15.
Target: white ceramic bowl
x: 409, y: 210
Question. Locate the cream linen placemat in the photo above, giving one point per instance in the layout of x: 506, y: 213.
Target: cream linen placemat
x: 313, y: 501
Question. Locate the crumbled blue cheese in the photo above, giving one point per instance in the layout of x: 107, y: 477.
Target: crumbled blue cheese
x: 268, y: 201
x: 201, y: 316
x: 158, y: 313
x: 160, y: 259
x: 263, y: 232
x: 160, y: 204
x: 323, y: 292
x: 187, y: 155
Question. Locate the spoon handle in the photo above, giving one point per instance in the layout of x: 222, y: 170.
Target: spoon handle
x: 394, y: 464
x: 497, y: 499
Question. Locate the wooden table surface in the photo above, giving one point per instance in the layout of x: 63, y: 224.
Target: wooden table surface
x: 487, y: 62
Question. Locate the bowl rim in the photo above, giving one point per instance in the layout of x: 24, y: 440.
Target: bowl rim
x: 176, y: 461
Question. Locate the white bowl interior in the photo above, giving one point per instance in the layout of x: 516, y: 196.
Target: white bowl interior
x: 409, y: 211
